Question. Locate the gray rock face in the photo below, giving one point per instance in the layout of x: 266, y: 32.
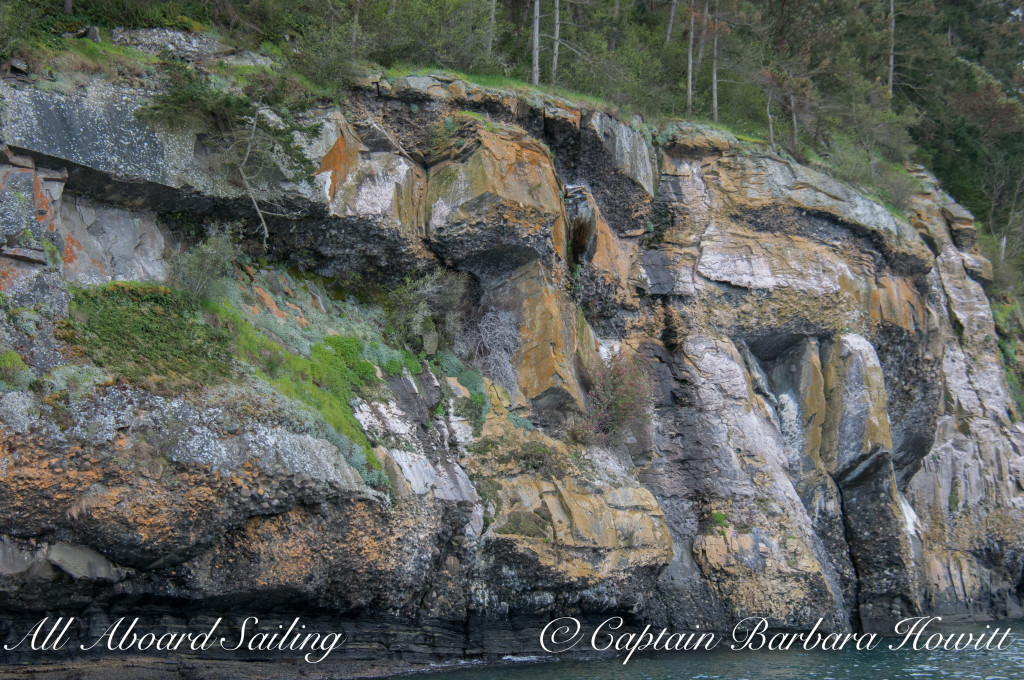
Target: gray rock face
x: 18, y: 411
x: 734, y: 516
x: 181, y: 44
x: 17, y: 209
x: 13, y: 560
x: 110, y: 244
x: 99, y: 131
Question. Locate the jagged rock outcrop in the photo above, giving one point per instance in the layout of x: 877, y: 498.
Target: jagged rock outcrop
x: 832, y: 435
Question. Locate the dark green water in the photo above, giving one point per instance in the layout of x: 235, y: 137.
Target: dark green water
x: 725, y: 664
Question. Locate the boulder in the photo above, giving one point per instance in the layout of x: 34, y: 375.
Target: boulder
x: 82, y: 562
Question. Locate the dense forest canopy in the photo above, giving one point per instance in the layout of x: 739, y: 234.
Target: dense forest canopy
x: 857, y: 86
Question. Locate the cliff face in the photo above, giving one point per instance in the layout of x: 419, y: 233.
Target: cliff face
x: 832, y: 436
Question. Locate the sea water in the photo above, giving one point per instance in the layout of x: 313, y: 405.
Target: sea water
x: 722, y: 663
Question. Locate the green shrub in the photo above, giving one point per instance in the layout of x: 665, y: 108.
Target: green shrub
x: 954, y: 496
x: 14, y: 374
x: 473, y: 381
x: 533, y: 456
x: 483, y: 447
x: 898, y: 186
x: 200, y: 266
x: 147, y: 334
x: 851, y: 165
x: 474, y: 409
x: 1016, y: 388
x: 380, y: 354
x: 489, y: 490
x: 478, y: 403
x: 525, y: 523
x: 143, y: 13
x: 412, y: 362
x: 14, y: 16
x: 426, y: 313
x: 326, y: 58
x: 191, y: 98
x: 450, y: 364
x: 520, y: 422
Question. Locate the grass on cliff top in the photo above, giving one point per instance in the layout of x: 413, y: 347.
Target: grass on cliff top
x: 500, y: 82
x: 146, y: 334
x: 116, y: 63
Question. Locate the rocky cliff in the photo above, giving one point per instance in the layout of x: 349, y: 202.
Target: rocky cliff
x: 832, y: 435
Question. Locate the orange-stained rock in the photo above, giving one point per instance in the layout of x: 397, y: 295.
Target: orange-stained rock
x: 897, y: 302
x: 495, y: 202
x: 546, y: 369
x: 341, y: 159
x: 300, y: 317
x: 268, y: 301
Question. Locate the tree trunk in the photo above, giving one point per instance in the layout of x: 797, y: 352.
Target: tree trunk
x: 714, y: 69
x: 892, y: 45
x: 355, y: 21
x: 554, y: 48
x: 703, y: 36
x: 535, y: 72
x: 614, y: 33
x: 490, y: 29
x: 796, y: 133
x: 67, y: 6
x: 671, y: 20
x: 689, y: 67
x: 771, y: 121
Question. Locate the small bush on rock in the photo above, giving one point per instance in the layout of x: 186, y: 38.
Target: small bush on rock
x: 525, y: 523
x: 192, y: 99
x: 426, y: 313
x: 14, y: 373
x: 498, y: 342
x: 619, y: 403
x: 197, y: 269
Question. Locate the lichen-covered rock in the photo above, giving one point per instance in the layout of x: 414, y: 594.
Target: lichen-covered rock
x: 496, y: 206
x: 547, y: 369
x: 182, y: 44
